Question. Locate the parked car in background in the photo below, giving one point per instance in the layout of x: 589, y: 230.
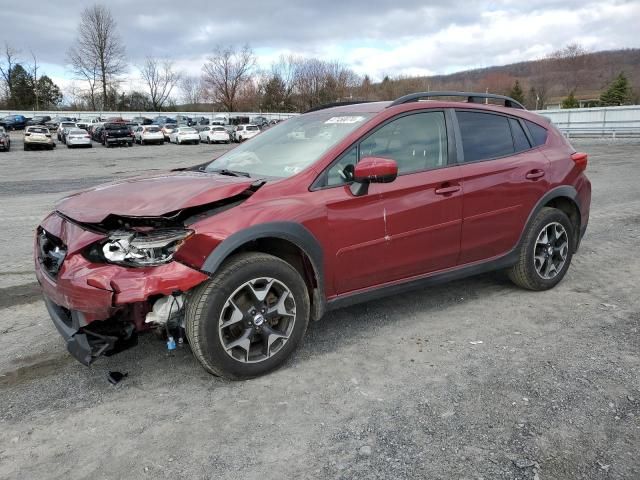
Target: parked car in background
x: 77, y: 137
x: 260, y: 121
x: 142, y: 121
x: 14, y: 122
x: 95, y: 131
x: 184, y: 135
x: 116, y: 133
x: 220, y: 120
x: 202, y: 121
x: 39, y: 120
x: 38, y: 137
x: 149, y: 134
x: 65, y: 132
x: 214, y: 134
x: 54, y: 123
x: 245, y: 132
x: 62, y: 126
x: 167, y: 129
x: 85, y: 123
x: 5, y: 140
x: 162, y: 120
x: 184, y: 120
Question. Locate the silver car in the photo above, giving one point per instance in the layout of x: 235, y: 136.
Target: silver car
x: 76, y: 137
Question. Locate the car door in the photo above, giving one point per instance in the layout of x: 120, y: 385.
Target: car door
x: 423, y: 206
x: 357, y: 239
x: 503, y: 178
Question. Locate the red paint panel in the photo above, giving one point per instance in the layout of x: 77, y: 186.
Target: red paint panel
x: 151, y: 196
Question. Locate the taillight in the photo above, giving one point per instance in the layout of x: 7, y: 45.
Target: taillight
x: 580, y: 159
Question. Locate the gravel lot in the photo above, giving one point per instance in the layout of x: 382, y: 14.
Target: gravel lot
x: 475, y: 379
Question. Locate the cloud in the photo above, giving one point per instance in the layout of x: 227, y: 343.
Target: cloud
x: 378, y: 37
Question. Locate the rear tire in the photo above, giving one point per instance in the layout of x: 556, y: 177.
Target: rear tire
x: 260, y: 343
x: 546, y: 251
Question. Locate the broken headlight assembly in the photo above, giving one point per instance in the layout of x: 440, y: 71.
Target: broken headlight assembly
x: 141, y: 248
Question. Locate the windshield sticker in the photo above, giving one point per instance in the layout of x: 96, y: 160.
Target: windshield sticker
x: 344, y: 120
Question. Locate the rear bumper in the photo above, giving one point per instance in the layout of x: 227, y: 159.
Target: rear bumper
x: 118, y: 141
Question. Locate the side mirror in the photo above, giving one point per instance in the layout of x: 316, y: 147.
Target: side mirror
x: 372, y: 170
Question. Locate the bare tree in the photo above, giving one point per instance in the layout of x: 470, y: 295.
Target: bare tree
x: 98, y: 54
x: 191, y: 89
x: 573, y: 59
x: 225, y: 72
x: 34, y: 75
x: 160, y: 78
x: 9, y: 62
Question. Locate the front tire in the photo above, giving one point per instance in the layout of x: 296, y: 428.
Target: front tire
x: 249, y: 318
x: 546, y: 251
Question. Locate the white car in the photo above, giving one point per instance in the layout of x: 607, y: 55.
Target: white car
x: 184, y: 135
x: 76, y: 137
x: 64, y: 125
x: 214, y: 134
x: 148, y: 134
x: 245, y: 132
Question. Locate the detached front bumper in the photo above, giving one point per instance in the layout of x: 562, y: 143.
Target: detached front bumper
x: 98, y: 307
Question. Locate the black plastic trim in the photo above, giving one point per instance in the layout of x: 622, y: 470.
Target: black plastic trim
x: 429, y: 280
x: 472, y: 97
x: 295, y: 233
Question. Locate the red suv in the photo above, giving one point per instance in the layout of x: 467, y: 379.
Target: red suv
x: 328, y: 208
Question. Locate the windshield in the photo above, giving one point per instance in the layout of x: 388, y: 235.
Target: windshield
x: 290, y: 146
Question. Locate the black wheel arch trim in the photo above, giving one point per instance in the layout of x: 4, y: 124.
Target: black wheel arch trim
x: 292, y: 232
x: 563, y: 191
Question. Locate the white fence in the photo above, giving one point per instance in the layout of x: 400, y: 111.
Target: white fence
x: 129, y: 115
x: 597, y: 122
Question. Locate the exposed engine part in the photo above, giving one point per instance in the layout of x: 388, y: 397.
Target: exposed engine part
x: 165, y: 309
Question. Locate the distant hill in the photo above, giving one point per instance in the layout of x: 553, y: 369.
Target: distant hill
x: 551, y: 79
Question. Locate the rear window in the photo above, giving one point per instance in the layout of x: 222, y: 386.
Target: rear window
x: 538, y: 133
x: 67, y: 124
x: 77, y: 131
x: 38, y: 130
x: 114, y: 126
x: 188, y: 130
x: 520, y: 140
x: 153, y: 129
x: 484, y: 135
x: 252, y: 127
x: 218, y: 129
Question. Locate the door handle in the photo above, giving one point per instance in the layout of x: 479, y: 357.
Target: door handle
x: 447, y: 190
x: 534, y: 174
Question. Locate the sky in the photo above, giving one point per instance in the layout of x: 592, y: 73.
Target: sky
x: 375, y: 37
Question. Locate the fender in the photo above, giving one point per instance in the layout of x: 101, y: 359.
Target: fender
x: 295, y: 233
x: 557, y: 192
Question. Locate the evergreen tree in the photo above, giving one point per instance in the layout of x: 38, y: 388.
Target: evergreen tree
x: 516, y: 92
x: 570, y: 101
x: 49, y: 94
x: 618, y: 93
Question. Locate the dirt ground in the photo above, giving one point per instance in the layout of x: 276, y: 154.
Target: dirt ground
x: 474, y: 379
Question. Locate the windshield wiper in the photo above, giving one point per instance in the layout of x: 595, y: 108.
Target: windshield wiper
x: 231, y: 173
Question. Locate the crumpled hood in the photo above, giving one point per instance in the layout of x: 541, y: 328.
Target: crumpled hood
x: 151, y: 196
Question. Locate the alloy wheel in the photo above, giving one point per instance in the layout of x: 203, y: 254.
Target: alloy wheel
x: 551, y: 250
x: 257, y: 320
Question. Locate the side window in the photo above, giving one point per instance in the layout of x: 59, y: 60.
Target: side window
x: 538, y: 133
x: 416, y: 142
x: 342, y: 170
x: 520, y: 140
x: 484, y: 135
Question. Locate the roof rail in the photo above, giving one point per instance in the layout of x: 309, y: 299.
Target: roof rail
x: 472, y: 97
x: 336, y: 104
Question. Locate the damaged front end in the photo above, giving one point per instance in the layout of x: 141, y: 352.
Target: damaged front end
x: 106, y: 282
